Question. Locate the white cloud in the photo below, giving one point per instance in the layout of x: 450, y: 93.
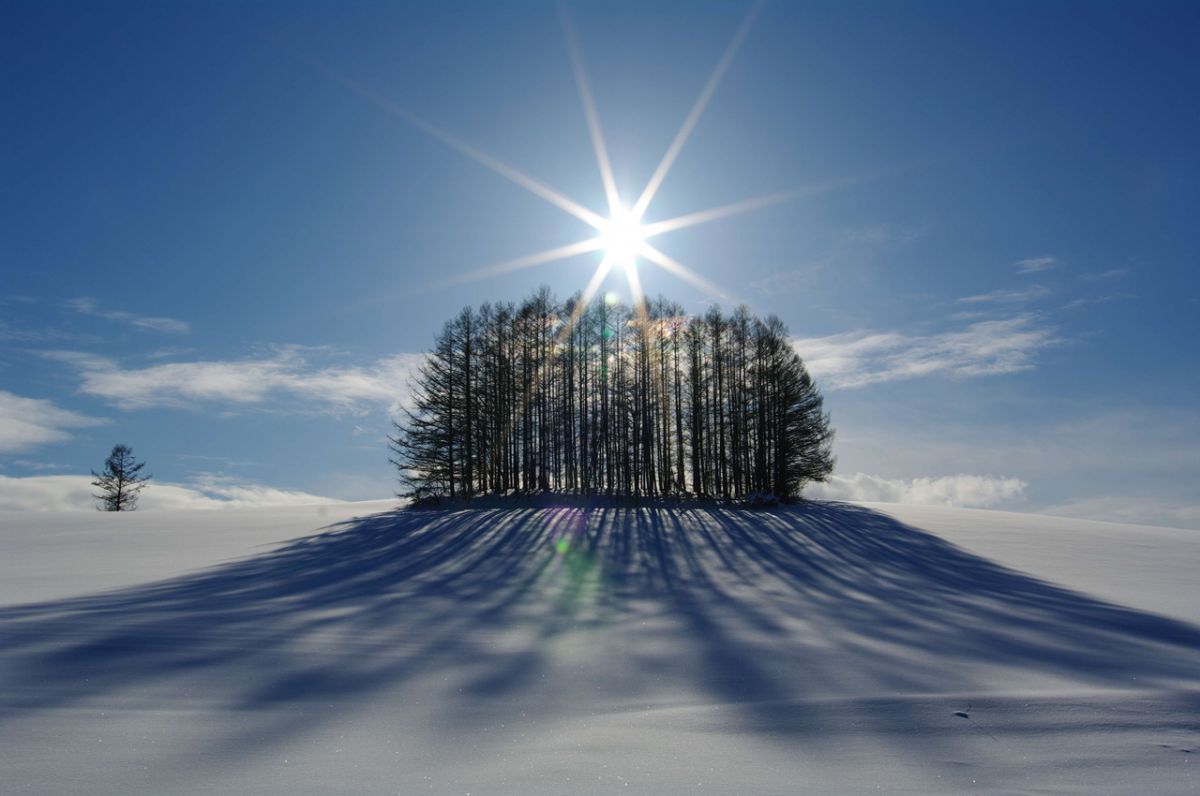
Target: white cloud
x: 856, y: 359
x: 970, y: 491
x: 245, y: 382
x: 89, y: 306
x: 1008, y: 296
x: 1031, y: 265
x: 74, y: 493
x: 28, y: 422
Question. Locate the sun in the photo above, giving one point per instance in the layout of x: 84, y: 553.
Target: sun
x: 622, y: 237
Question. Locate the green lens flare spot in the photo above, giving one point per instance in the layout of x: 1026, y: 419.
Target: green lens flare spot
x: 562, y: 546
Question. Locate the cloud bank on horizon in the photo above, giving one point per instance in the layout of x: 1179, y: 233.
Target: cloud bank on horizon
x: 75, y: 493
x: 964, y: 491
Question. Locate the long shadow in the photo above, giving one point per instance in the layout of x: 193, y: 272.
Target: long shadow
x: 763, y: 609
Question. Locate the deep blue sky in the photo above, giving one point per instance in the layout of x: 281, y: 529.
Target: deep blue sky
x: 218, y: 253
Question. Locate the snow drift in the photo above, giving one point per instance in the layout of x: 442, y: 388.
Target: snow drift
x: 824, y: 647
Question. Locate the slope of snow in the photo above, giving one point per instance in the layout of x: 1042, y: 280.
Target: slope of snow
x: 826, y: 648
x: 1142, y: 566
x: 44, y: 556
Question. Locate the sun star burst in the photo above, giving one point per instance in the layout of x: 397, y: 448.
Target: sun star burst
x: 621, y: 235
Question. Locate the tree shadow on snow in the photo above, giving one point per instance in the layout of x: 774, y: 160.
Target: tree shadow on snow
x: 753, y: 609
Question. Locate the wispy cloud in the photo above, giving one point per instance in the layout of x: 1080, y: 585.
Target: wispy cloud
x: 859, y: 358
x: 1032, y: 293
x: 74, y: 493
x: 29, y: 422
x: 1091, y: 301
x: 89, y: 306
x: 788, y: 282
x: 38, y: 466
x: 880, y: 235
x: 286, y: 373
x: 10, y: 333
x: 968, y: 491
x: 1110, y: 274
x: 1032, y: 265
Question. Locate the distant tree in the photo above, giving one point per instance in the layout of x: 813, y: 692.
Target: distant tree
x: 120, y: 481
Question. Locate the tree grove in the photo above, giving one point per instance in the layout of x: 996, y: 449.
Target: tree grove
x: 550, y: 396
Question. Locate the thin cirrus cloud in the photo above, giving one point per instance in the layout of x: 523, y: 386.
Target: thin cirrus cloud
x: 1092, y: 301
x: 1032, y: 265
x: 85, y: 305
x: 963, y: 490
x: 246, y: 382
x: 1110, y: 274
x: 1032, y: 293
x: 861, y: 358
x: 28, y: 422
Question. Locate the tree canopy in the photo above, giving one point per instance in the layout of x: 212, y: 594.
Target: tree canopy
x: 547, y: 395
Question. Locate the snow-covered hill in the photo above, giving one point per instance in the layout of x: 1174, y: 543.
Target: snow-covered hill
x: 827, y: 648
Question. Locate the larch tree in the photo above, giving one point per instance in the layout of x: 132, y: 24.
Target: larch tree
x: 550, y: 396
x: 120, y: 481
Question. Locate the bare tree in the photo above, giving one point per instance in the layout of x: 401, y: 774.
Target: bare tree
x: 120, y: 481
x: 644, y: 401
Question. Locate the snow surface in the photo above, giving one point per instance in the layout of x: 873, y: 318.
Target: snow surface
x: 825, y: 648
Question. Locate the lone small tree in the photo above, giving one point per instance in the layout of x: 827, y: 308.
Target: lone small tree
x: 121, y: 480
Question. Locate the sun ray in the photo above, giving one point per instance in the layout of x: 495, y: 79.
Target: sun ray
x: 750, y: 205
x: 593, y: 286
x: 528, y: 261
x: 683, y: 272
x: 589, y: 110
x: 693, y: 116
x: 635, y: 288
x: 531, y: 184
x: 622, y: 234
x: 724, y: 211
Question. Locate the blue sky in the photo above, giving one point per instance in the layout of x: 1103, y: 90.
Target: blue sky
x: 218, y: 251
